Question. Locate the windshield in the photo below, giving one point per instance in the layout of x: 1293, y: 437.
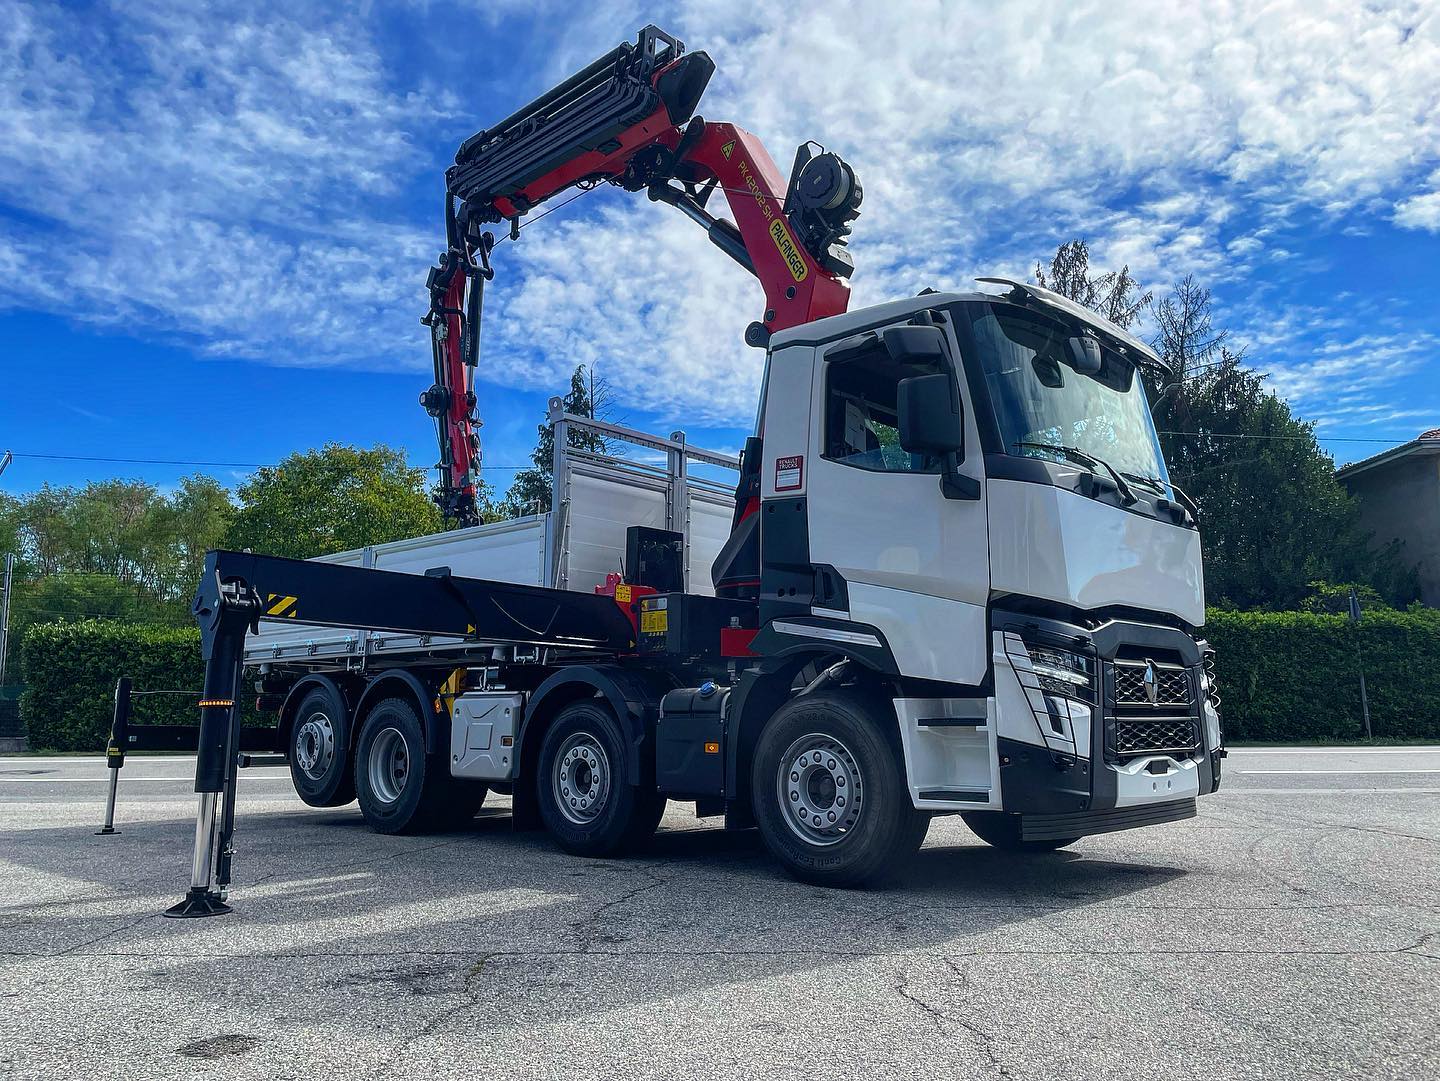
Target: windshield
x: 1041, y: 400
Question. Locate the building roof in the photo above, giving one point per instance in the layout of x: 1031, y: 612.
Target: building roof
x: 1427, y: 442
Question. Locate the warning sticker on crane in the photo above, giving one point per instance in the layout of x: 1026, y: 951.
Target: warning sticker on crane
x: 279, y: 605
x: 654, y: 615
x: 727, y: 149
x: 790, y: 473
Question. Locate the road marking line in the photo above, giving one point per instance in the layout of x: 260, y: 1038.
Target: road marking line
x: 1259, y: 772
x: 1414, y: 790
x: 105, y: 780
x: 1334, y: 750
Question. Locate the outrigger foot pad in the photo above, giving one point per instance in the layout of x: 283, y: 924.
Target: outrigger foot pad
x: 198, y: 903
x: 106, y: 831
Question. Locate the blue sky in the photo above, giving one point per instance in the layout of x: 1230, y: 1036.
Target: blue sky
x: 215, y: 220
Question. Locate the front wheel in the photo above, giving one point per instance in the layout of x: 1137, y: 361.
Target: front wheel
x: 1000, y: 830
x: 585, y: 799
x: 829, y: 791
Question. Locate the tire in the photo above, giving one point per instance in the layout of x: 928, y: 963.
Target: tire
x: 846, y: 744
x: 319, y: 754
x: 584, y: 799
x: 401, y: 789
x: 1000, y: 830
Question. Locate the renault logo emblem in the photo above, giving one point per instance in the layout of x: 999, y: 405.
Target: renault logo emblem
x: 1152, y: 683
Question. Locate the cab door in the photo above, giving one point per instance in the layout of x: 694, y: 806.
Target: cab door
x: 916, y: 563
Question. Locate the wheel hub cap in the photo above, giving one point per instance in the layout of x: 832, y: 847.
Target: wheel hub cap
x: 581, y: 780
x: 821, y: 789
x: 315, y: 746
x: 389, y: 765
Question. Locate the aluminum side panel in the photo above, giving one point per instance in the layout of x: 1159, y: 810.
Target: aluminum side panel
x: 511, y: 551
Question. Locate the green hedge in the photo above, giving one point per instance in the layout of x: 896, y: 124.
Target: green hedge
x: 71, y: 669
x: 1283, y: 676
x: 1294, y: 676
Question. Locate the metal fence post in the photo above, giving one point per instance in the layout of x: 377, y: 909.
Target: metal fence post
x: 5, y: 613
x: 1360, y: 660
x: 115, y: 751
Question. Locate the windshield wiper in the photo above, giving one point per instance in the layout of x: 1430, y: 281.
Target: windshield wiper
x: 1089, y: 461
x: 1155, y: 484
x: 1158, y: 486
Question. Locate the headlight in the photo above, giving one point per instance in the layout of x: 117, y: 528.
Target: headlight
x: 1060, y: 671
x: 1210, y: 704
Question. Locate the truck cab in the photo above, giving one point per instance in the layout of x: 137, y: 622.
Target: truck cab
x: 1030, y: 582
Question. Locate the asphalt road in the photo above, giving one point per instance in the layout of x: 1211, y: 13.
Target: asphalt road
x: 1293, y: 930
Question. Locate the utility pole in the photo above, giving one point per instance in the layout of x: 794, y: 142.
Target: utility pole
x: 5, y: 610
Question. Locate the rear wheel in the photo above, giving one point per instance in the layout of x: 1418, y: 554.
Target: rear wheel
x: 829, y: 791
x: 1000, y: 830
x: 318, y: 750
x: 585, y: 799
x: 401, y: 788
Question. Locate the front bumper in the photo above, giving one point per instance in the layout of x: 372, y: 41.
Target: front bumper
x: 1107, y: 747
x: 1060, y: 827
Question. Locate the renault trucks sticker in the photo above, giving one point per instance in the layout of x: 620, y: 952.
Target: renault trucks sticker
x: 790, y: 473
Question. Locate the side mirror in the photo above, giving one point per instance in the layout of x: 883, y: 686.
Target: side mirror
x: 915, y: 345
x: 1084, y: 354
x: 929, y: 414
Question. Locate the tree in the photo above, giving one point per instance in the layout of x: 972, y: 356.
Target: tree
x: 1274, y: 521
x: 116, y: 549
x: 1115, y: 294
x: 331, y: 500
x: 589, y: 396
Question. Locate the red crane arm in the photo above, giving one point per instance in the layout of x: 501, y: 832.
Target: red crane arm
x: 627, y: 119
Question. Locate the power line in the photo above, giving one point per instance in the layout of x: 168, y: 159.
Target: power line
x: 1303, y: 438
x: 188, y: 461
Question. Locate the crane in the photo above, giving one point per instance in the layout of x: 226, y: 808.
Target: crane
x: 628, y: 119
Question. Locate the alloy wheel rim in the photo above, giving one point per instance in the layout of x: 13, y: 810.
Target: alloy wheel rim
x: 315, y: 746
x: 821, y: 789
x: 389, y: 765
x: 581, y: 778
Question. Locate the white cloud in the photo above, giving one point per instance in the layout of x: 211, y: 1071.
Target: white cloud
x: 999, y: 131
x: 1356, y: 381
x: 238, y: 178
x: 1419, y: 212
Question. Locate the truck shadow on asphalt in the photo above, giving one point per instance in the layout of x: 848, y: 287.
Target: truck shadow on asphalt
x: 318, y: 884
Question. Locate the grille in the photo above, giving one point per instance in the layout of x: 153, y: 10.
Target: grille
x: 1154, y: 734
x: 1172, y: 686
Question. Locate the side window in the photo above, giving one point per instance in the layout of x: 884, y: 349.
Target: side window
x: 861, y: 417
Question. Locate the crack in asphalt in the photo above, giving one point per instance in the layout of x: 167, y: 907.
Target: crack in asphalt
x: 587, y: 928
x: 984, y: 1041
x: 469, y: 999
x: 1412, y: 949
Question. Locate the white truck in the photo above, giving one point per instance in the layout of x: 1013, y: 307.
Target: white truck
x: 952, y: 577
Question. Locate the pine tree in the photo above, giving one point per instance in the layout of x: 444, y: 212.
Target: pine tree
x: 529, y: 493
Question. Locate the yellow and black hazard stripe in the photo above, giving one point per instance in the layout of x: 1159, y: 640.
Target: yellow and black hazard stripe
x: 280, y: 606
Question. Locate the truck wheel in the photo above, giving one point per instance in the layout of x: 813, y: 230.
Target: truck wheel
x: 1000, y: 830
x: 829, y: 791
x: 401, y: 789
x: 319, y: 754
x: 584, y: 798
